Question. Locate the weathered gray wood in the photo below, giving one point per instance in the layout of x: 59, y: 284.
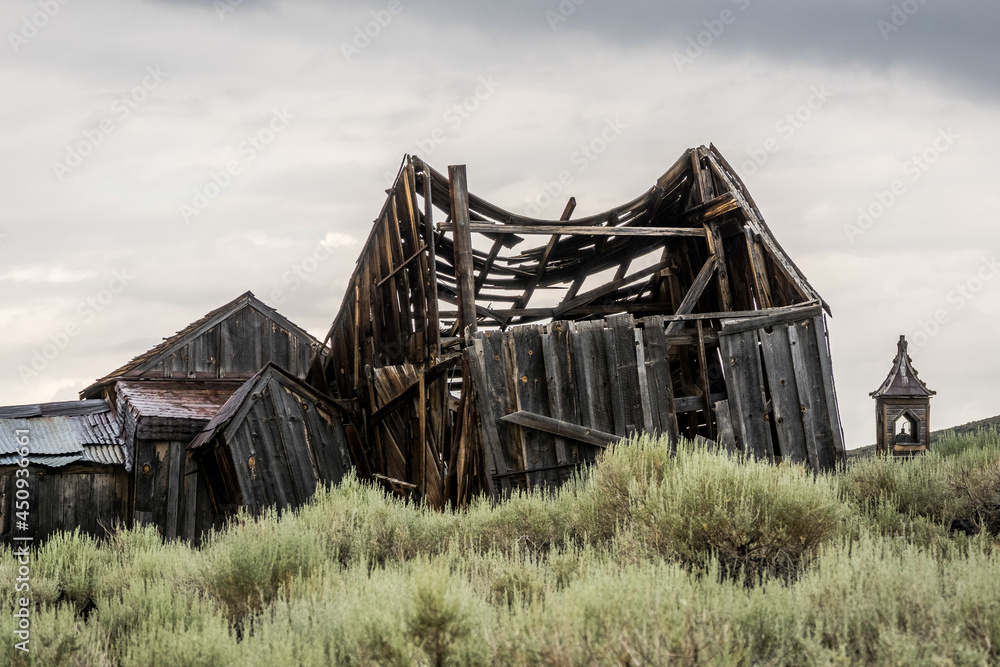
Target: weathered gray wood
x: 661, y: 380
x: 745, y: 386
x: 830, y: 389
x: 190, y: 495
x: 580, y: 230
x: 462, y: 233
x: 703, y: 373
x: 558, y: 384
x: 643, y: 377
x: 772, y: 317
x: 176, y: 456
x: 723, y: 419
x: 784, y: 393
x: 691, y: 298
x: 684, y: 404
x: 623, y: 374
x: 607, y: 289
x: 278, y: 474
x: 298, y: 454
x: 500, y: 392
x: 557, y: 427
x: 489, y: 401
x: 809, y: 380
x: 531, y: 393
x: 594, y: 392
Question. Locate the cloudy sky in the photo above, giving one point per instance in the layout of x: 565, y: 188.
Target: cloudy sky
x: 162, y: 157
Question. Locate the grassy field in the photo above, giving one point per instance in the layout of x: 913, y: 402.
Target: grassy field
x: 648, y: 558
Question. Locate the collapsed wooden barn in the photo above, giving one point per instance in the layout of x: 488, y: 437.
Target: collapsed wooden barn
x: 473, y: 361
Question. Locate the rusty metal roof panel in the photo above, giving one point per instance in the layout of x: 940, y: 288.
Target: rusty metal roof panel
x: 106, y: 454
x: 61, y: 433
x: 179, y: 399
x: 41, y: 460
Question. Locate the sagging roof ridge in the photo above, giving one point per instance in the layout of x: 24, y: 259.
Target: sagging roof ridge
x: 716, y: 161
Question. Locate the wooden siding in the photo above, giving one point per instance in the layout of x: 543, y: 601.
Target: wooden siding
x: 551, y: 397
x: 278, y: 445
x: 170, y: 490
x: 91, y: 498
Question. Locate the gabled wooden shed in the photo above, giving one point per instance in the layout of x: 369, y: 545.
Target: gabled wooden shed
x: 271, y: 445
x: 232, y: 342
x: 480, y: 350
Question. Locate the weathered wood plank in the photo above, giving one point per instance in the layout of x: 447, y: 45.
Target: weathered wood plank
x: 809, y: 381
x: 578, y: 230
x: 661, y: 380
x: 462, y: 233
x: 558, y: 427
x: 531, y: 393
x: 784, y: 393
x: 745, y: 386
x: 723, y: 418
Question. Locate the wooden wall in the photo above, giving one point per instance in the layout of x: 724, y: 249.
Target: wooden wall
x: 91, y: 498
x: 170, y: 492
x: 890, y: 409
x: 239, y: 346
x: 551, y: 397
x: 279, y: 447
x: 782, y: 397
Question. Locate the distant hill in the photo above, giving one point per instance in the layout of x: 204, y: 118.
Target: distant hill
x: 971, y: 427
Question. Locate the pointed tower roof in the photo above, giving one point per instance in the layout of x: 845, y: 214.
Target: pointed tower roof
x: 902, y: 379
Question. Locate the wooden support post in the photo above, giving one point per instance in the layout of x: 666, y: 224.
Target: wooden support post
x: 715, y: 247
x: 759, y: 271
x: 459, y: 191
x: 422, y: 421
x: 703, y: 367
x: 691, y: 298
x: 432, y: 301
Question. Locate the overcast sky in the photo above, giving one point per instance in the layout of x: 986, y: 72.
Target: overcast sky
x: 162, y: 157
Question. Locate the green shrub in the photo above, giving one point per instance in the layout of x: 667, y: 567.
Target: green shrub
x: 755, y: 518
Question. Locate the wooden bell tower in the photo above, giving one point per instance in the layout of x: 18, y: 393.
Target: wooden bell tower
x: 902, y: 408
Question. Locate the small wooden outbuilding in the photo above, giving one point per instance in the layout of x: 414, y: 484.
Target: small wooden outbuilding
x: 902, y: 408
x: 271, y: 445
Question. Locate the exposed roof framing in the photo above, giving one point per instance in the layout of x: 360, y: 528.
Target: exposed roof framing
x: 441, y: 264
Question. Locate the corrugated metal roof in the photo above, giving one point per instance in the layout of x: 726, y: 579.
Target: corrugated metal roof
x: 41, y: 460
x: 57, y: 439
x: 107, y: 454
x: 60, y: 409
x: 179, y: 399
